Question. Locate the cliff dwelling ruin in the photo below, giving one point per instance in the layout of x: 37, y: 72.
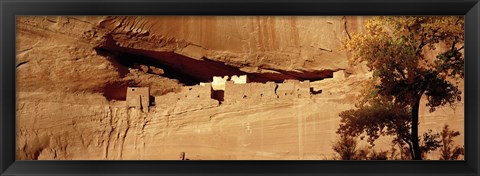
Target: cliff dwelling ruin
x: 207, y: 87
x: 224, y: 89
x: 138, y: 97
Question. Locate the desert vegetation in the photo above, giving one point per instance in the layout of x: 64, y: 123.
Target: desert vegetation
x: 348, y: 148
x: 394, y: 48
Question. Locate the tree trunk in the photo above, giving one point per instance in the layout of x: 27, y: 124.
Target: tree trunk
x: 417, y: 153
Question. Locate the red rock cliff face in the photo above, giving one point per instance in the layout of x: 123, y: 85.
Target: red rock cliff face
x: 265, y: 42
x: 72, y: 74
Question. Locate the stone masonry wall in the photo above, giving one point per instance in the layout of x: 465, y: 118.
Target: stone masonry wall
x: 250, y: 92
x: 290, y: 89
x: 189, y: 98
x: 138, y: 97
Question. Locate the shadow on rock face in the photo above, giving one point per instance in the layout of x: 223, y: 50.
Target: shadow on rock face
x: 115, y: 91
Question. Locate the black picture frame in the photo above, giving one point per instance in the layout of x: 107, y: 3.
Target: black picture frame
x: 9, y: 9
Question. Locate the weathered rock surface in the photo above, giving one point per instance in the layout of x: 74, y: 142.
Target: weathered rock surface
x: 72, y: 74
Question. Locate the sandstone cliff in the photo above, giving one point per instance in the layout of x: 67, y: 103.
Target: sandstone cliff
x: 72, y: 75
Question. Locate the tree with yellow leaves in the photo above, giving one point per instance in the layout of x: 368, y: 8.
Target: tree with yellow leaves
x: 394, y: 49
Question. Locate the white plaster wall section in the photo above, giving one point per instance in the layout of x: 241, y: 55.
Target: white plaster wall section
x: 219, y: 82
x: 242, y: 79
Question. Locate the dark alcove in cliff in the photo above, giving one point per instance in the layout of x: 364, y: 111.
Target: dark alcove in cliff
x: 191, y: 71
x: 186, y: 70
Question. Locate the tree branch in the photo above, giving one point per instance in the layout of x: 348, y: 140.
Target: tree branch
x: 424, y: 42
x: 401, y: 72
x: 453, y: 44
x: 460, y: 48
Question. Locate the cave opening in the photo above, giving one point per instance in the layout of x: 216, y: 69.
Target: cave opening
x: 188, y: 71
x: 125, y: 60
x: 191, y: 71
x: 115, y: 91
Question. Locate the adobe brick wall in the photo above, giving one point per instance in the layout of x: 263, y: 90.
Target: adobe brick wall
x: 242, y: 79
x: 189, y: 98
x: 290, y: 89
x: 234, y: 92
x: 138, y: 97
x: 250, y: 92
x: 286, y: 90
x: 302, y: 89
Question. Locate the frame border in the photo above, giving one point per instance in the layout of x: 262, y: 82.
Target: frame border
x: 9, y: 9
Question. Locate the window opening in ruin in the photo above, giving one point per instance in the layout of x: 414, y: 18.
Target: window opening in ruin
x: 152, y: 101
x: 315, y: 92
